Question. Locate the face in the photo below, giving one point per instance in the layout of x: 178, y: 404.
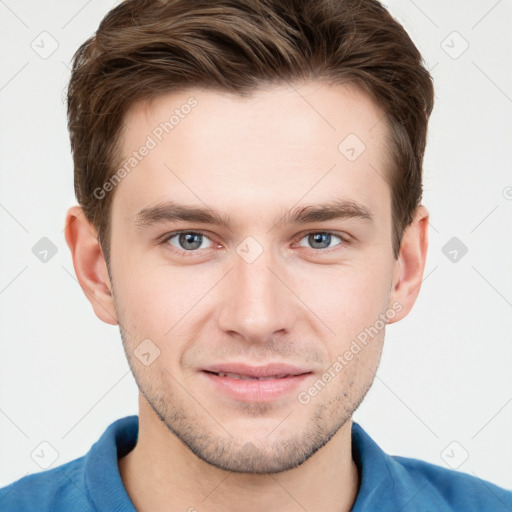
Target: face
x: 234, y: 319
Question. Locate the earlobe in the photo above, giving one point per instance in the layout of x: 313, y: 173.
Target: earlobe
x: 410, y: 265
x: 89, y: 263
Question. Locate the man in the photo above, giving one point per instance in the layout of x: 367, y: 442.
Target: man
x: 249, y: 180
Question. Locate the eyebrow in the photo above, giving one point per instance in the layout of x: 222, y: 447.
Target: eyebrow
x: 174, y: 211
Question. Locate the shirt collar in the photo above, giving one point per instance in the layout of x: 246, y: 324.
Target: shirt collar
x: 103, y: 483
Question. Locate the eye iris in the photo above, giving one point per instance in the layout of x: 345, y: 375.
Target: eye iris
x: 188, y: 238
x: 316, y: 238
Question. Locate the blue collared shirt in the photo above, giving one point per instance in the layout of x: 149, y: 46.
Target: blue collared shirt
x: 388, y: 483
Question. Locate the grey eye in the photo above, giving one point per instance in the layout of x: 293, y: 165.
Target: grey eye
x: 320, y: 240
x: 188, y: 241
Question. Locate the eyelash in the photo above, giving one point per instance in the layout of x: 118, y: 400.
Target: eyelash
x: 344, y: 241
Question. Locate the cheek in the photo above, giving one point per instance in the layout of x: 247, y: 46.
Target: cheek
x: 349, y: 298
x: 159, y: 303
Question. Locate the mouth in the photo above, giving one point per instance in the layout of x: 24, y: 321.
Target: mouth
x: 249, y: 377
x: 255, y: 383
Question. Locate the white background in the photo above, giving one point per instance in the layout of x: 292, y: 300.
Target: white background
x: 445, y: 372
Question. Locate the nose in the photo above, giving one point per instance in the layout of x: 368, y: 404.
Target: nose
x: 257, y: 300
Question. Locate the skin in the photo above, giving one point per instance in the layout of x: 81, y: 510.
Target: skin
x: 253, y: 159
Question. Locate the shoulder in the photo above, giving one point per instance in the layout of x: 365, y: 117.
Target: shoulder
x: 390, y: 483
x: 91, y: 482
x: 452, y: 489
x: 58, y: 489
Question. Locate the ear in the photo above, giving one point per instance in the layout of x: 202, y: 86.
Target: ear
x: 410, y: 264
x: 89, y: 263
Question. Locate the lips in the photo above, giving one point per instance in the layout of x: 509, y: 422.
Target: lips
x: 256, y: 383
x: 248, y: 377
x: 269, y: 371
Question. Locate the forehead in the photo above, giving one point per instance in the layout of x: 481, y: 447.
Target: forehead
x: 280, y: 145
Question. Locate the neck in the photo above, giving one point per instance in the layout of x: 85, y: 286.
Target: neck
x: 161, y: 473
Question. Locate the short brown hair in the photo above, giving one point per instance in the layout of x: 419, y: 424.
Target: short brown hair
x: 144, y: 48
